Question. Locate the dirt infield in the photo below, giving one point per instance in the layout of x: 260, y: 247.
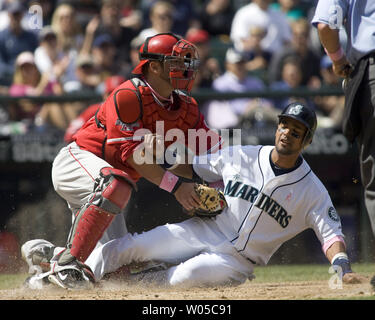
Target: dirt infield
x: 248, y: 291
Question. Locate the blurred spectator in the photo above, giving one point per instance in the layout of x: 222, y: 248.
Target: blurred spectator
x: 4, y: 15
x: 110, y: 84
x: 226, y: 114
x: 258, y: 14
x: 290, y: 8
x: 50, y: 59
x: 216, y: 17
x: 161, y: 18
x: 108, y: 22
x: 28, y: 81
x: 4, y: 90
x: 109, y: 59
x: 88, y: 79
x: 131, y: 15
x: 183, y: 15
x: 71, y: 41
x: 257, y: 59
x: 104, y: 53
x: 14, y: 40
x: 84, y: 9
x: 291, y: 78
x: 135, y: 45
x: 331, y: 108
x: 110, y: 17
x: 299, y: 48
x: 209, y: 68
x: 91, y: 30
x: 28, y: 20
x: 67, y: 28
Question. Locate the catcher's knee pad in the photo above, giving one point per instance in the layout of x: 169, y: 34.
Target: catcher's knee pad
x: 111, y: 194
x: 112, y: 189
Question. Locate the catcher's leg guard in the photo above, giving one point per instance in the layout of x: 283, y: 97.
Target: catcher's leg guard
x: 112, y: 192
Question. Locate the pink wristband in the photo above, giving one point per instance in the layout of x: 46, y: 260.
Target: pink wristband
x: 169, y: 181
x: 330, y: 242
x: 336, y: 55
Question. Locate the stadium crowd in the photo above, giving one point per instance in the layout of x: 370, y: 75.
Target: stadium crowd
x: 53, y: 47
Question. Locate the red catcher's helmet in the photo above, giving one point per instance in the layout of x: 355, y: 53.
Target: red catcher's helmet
x: 181, y: 55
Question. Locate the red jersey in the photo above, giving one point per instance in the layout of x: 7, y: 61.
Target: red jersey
x: 130, y: 107
x: 77, y: 123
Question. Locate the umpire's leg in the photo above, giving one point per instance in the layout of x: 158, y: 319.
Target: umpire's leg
x: 366, y: 103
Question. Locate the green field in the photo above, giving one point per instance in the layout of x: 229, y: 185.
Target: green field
x: 271, y: 282
x: 272, y: 273
x: 11, y: 281
x: 292, y: 273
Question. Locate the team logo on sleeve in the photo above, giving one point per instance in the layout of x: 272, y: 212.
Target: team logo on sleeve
x: 127, y: 126
x: 333, y: 214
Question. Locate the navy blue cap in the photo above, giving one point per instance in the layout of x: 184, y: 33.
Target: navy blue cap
x: 14, y: 7
x: 102, y: 39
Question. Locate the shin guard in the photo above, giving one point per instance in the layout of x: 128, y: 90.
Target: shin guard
x: 111, y: 194
x: 90, y: 228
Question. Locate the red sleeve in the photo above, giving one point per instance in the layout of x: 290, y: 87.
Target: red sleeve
x: 89, y: 112
x: 123, y: 121
x: 77, y: 123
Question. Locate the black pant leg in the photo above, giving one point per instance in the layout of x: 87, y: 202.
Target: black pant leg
x: 366, y: 101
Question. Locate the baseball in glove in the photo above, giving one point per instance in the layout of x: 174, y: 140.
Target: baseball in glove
x: 212, y: 201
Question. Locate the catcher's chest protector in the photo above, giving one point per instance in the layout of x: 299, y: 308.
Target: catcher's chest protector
x: 183, y: 115
x: 130, y: 107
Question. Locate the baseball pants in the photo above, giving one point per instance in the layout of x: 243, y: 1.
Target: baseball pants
x: 201, y: 254
x: 366, y: 101
x: 73, y: 176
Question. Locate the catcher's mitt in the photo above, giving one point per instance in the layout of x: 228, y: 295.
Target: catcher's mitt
x: 212, y: 201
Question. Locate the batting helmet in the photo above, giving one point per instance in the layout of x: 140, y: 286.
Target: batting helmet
x: 181, y: 55
x: 303, y: 114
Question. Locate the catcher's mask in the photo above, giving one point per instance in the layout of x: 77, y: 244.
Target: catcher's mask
x: 303, y: 114
x: 179, y: 55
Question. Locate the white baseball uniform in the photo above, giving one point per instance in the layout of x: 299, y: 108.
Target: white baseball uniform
x: 265, y: 209
x: 74, y: 171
